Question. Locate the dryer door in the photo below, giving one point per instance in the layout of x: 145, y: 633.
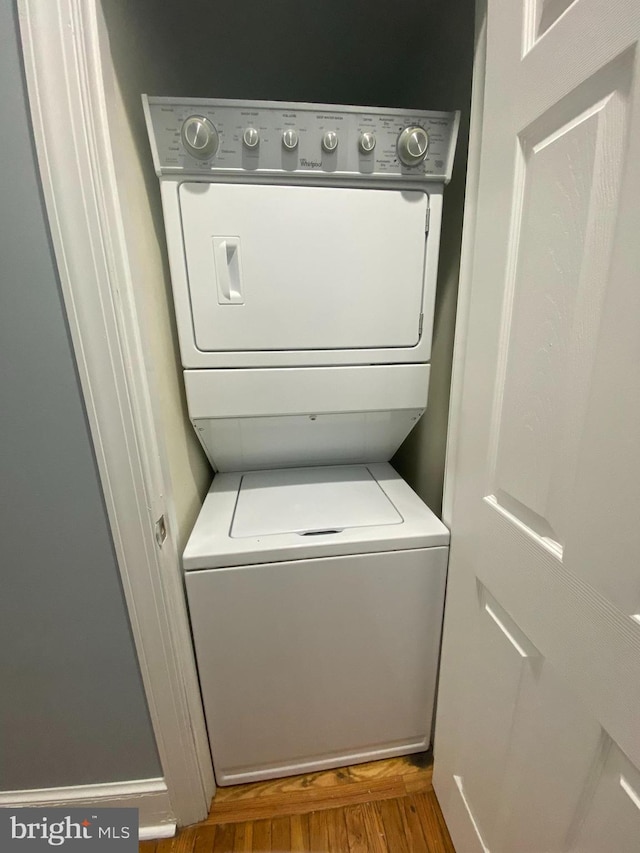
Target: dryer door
x: 297, y: 268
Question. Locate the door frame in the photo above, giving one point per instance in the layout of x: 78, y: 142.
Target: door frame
x: 62, y: 42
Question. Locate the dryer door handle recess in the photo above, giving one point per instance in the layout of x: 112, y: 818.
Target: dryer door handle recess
x: 226, y: 252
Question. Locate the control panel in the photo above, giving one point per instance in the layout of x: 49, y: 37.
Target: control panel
x: 273, y: 138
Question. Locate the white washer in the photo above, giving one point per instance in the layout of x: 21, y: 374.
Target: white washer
x: 316, y: 601
x: 303, y: 242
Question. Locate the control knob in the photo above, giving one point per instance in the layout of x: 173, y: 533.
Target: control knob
x: 290, y: 139
x: 367, y: 141
x: 413, y: 144
x: 251, y: 137
x: 199, y: 137
x: 330, y: 140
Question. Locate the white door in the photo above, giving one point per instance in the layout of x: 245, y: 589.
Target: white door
x: 537, y: 744
x: 297, y: 268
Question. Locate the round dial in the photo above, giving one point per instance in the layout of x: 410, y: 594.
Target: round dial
x: 367, y: 141
x: 199, y: 137
x: 413, y: 144
x: 330, y: 140
x: 290, y: 139
x: 251, y: 137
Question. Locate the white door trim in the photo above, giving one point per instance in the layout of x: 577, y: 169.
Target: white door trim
x: 62, y: 42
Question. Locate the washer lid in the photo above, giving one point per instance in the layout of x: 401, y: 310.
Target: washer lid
x: 295, y: 514
x: 310, y: 501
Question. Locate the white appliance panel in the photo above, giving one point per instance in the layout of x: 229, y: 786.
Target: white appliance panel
x: 305, y: 391
x: 270, y: 418
x: 246, y: 444
x: 317, y: 663
x: 303, y: 268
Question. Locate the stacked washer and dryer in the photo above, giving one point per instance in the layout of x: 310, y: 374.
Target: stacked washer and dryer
x: 303, y: 243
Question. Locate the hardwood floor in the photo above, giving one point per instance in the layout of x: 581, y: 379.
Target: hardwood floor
x: 381, y: 807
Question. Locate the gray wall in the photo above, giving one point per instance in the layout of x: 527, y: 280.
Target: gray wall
x: 72, y: 708
x: 410, y: 53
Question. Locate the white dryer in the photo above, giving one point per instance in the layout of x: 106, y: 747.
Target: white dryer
x: 303, y: 243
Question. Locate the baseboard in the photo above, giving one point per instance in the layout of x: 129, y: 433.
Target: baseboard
x: 153, y: 833
x: 149, y: 796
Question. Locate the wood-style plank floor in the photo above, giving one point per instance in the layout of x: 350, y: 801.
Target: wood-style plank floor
x: 381, y: 807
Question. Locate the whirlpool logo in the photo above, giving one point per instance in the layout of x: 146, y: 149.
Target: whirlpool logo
x: 310, y: 164
x: 41, y: 829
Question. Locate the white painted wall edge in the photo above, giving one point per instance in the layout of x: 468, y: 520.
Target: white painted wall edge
x: 149, y: 796
x: 466, y: 261
x: 61, y: 42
